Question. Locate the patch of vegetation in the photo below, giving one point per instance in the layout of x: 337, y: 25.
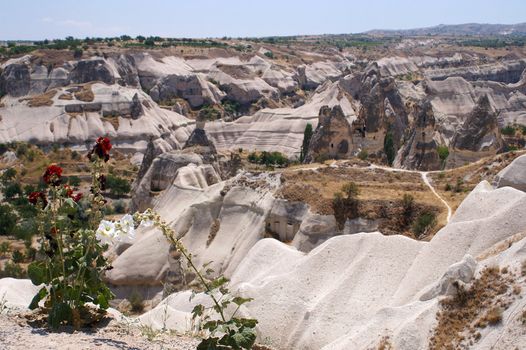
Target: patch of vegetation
x: 269, y: 54
x: 345, y: 204
x: 269, y: 159
x: 477, y: 305
x: 423, y: 224
x: 443, y: 153
x: 363, y: 154
x: 389, y: 148
x: 210, y: 113
x: 117, y: 186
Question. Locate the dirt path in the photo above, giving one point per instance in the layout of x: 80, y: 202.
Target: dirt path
x: 425, y: 179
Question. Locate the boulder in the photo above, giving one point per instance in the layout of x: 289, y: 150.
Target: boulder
x: 514, y: 175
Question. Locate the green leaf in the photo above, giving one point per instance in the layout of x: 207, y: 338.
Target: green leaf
x: 102, y: 301
x: 218, y: 282
x: 37, y: 273
x: 246, y: 322
x: 240, y: 301
x: 198, y: 310
x: 210, y: 325
x: 246, y: 338
x: 36, y: 299
x: 59, y: 313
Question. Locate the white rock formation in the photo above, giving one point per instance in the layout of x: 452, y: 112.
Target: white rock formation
x: 352, y: 290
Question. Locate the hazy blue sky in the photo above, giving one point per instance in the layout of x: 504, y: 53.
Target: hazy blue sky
x: 39, y: 19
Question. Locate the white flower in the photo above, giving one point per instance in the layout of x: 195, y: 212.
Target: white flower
x: 126, y: 229
x: 106, y: 232
x: 146, y: 223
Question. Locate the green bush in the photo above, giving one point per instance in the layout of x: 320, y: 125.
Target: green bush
x: 268, y: 158
x: 508, y: 130
x: 363, y: 155
x: 17, y: 257
x: 269, y: 54
x: 389, y: 148
x: 136, y: 301
x: 8, y: 220
x: 119, y: 207
x: 424, y: 223
x: 118, y: 186
x: 443, y: 153
x: 13, y: 271
x: 8, y: 175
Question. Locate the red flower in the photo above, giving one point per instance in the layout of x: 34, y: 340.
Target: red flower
x: 77, y: 197
x: 101, y: 149
x: 69, y: 191
x: 52, y: 175
x: 35, y: 196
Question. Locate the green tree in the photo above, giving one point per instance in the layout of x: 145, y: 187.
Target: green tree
x: 307, y: 135
x: 389, y: 148
x: 7, y: 220
x: 443, y: 153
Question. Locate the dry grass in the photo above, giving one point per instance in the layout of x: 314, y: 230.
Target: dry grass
x: 85, y: 94
x: 42, y: 100
x: 478, y: 305
x: 380, y: 197
x: 471, y: 175
x: 66, y: 96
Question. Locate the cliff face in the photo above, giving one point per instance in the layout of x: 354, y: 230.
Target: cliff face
x: 382, y: 108
x: 480, y: 131
x: 333, y: 137
x: 420, y: 150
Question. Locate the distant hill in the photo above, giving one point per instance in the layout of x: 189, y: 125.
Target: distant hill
x: 468, y: 29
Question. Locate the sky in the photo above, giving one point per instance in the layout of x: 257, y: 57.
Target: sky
x: 52, y: 19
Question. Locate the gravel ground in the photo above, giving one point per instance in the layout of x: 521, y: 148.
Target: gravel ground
x: 16, y: 333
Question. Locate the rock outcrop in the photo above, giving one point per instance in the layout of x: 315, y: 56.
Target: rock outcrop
x: 420, y: 149
x: 333, y: 137
x: 514, y: 175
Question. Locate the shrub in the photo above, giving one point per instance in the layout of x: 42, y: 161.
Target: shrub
x: 458, y: 185
x: 345, y: 204
x: 408, y: 206
x: 389, y: 148
x: 13, y: 271
x: 423, y: 223
x: 17, y: 257
x: 4, y: 248
x: 269, y: 54
x: 119, y: 207
x: 8, y: 220
x: 12, y: 190
x: 118, y: 186
x: 443, y: 153
x: 8, y: 175
x: 136, y: 301
x: 508, y: 130
x: 363, y: 155
x: 268, y: 158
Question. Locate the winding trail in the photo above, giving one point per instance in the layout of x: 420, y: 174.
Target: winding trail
x: 423, y: 174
